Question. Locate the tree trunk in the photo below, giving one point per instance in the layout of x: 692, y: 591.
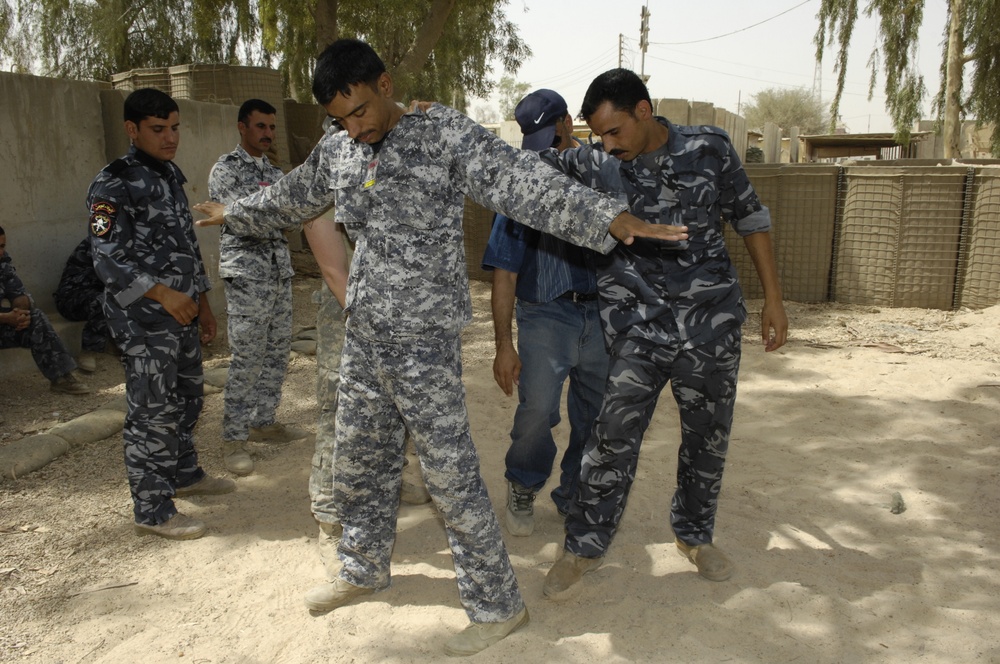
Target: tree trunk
x: 953, y: 84
x: 427, y: 38
x: 326, y: 23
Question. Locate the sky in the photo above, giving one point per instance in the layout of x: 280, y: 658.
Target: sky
x: 708, y: 51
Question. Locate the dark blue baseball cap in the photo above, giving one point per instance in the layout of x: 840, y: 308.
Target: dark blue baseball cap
x: 537, y: 114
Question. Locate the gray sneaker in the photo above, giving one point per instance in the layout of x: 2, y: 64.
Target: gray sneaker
x: 520, y: 516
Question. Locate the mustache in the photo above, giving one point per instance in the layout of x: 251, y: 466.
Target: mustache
x: 616, y: 152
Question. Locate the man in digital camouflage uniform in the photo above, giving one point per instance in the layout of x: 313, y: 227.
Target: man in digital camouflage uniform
x: 672, y: 312
x: 397, y: 181
x: 23, y: 325
x: 146, y: 254
x: 80, y: 297
x: 258, y: 273
x: 559, y: 334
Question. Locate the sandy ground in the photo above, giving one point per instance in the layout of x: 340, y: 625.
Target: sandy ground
x: 860, y: 405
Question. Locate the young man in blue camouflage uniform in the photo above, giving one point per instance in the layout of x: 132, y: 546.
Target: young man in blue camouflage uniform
x: 80, y: 297
x: 146, y: 254
x: 23, y: 325
x: 672, y: 313
x: 559, y: 333
x: 397, y: 181
x: 258, y: 273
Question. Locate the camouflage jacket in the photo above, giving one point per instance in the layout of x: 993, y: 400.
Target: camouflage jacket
x: 403, y: 208
x: 11, y: 285
x: 78, y: 277
x: 142, y: 234
x: 689, y: 288
x: 234, y: 176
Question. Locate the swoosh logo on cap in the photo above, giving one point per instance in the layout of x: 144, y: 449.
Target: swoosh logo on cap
x: 539, y: 118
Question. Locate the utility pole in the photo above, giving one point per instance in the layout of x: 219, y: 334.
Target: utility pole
x: 644, y: 41
x: 621, y: 48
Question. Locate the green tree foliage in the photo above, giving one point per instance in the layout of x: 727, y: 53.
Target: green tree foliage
x: 435, y: 49
x: 786, y: 108
x: 971, y: 39
x: 510, y: 92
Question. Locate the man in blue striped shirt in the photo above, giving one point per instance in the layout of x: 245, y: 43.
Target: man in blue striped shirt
x: 559, y: 333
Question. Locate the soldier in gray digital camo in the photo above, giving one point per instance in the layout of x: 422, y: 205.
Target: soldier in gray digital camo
x: 80, y: 297
x: 146, y: 254
x: 397, y: 181
x: 23, y: 325
x: 258, y: 273
x: 672, y: 313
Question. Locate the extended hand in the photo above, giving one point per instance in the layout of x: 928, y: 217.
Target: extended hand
x: 626, y: 227
x: 214, y: 211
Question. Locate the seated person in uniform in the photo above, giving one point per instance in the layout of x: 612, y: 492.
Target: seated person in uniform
x: 23, y: 325
x: 80, y: 297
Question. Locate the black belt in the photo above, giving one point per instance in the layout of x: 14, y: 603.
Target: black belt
x: 578, y: 297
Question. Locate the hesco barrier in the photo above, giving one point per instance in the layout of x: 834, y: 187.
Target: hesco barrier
x: 875, y: 233
x: 979, y: 258
x: 802, y: 199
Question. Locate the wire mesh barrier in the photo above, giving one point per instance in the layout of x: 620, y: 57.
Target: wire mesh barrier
x: 979, y: 269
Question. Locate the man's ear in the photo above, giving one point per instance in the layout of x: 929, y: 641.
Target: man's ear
x: 643, y: 110
x: 131, y: 130
x: 384, y: 84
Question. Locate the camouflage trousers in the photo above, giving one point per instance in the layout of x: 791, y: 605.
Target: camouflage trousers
x: 85, y: 305
x: 47, y: 349
x: 703, y: 381
x: 329, y: 345
x: 417, y: 385
x: 260, y: 337
x: 164, y: 392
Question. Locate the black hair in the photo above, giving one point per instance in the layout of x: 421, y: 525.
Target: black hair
x: 344, y: 63
x: 149, y: 102
x: 622, y: 87
x: 2, y: 231
x: 251, y: 105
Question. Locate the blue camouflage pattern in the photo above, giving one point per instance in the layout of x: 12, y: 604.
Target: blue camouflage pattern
x: 48, y: 351
x: 257, y: 271
x: 407, y: 300
x: 141, y: 234
x: 672, y: 312
x: 80, y: 297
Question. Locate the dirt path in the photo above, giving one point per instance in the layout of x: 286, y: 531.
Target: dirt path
x: 860, y: 405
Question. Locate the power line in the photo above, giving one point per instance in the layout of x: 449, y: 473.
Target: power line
x: 728, y: 34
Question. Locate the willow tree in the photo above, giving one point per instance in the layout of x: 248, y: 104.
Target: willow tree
x: 435, y: 49
x: 971, y: 39
x: 96, y: 38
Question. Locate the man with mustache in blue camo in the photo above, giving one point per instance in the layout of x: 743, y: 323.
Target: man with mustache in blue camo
x: 672, y: 313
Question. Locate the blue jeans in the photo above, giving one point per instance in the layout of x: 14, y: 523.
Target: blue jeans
x: 556, y: 340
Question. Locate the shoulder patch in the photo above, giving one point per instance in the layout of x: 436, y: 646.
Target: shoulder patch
x: 102, y: 215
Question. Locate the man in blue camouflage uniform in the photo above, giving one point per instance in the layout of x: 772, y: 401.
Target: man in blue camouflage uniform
x: 80, y: 297
x: 559, y: 334
x: 397, y: 181
x: 146, y: 254
x: 672, y: 313
x: 23, y: 325
x: 258, y: 273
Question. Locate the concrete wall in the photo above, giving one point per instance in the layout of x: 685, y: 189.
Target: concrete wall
x: 57, y: 134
